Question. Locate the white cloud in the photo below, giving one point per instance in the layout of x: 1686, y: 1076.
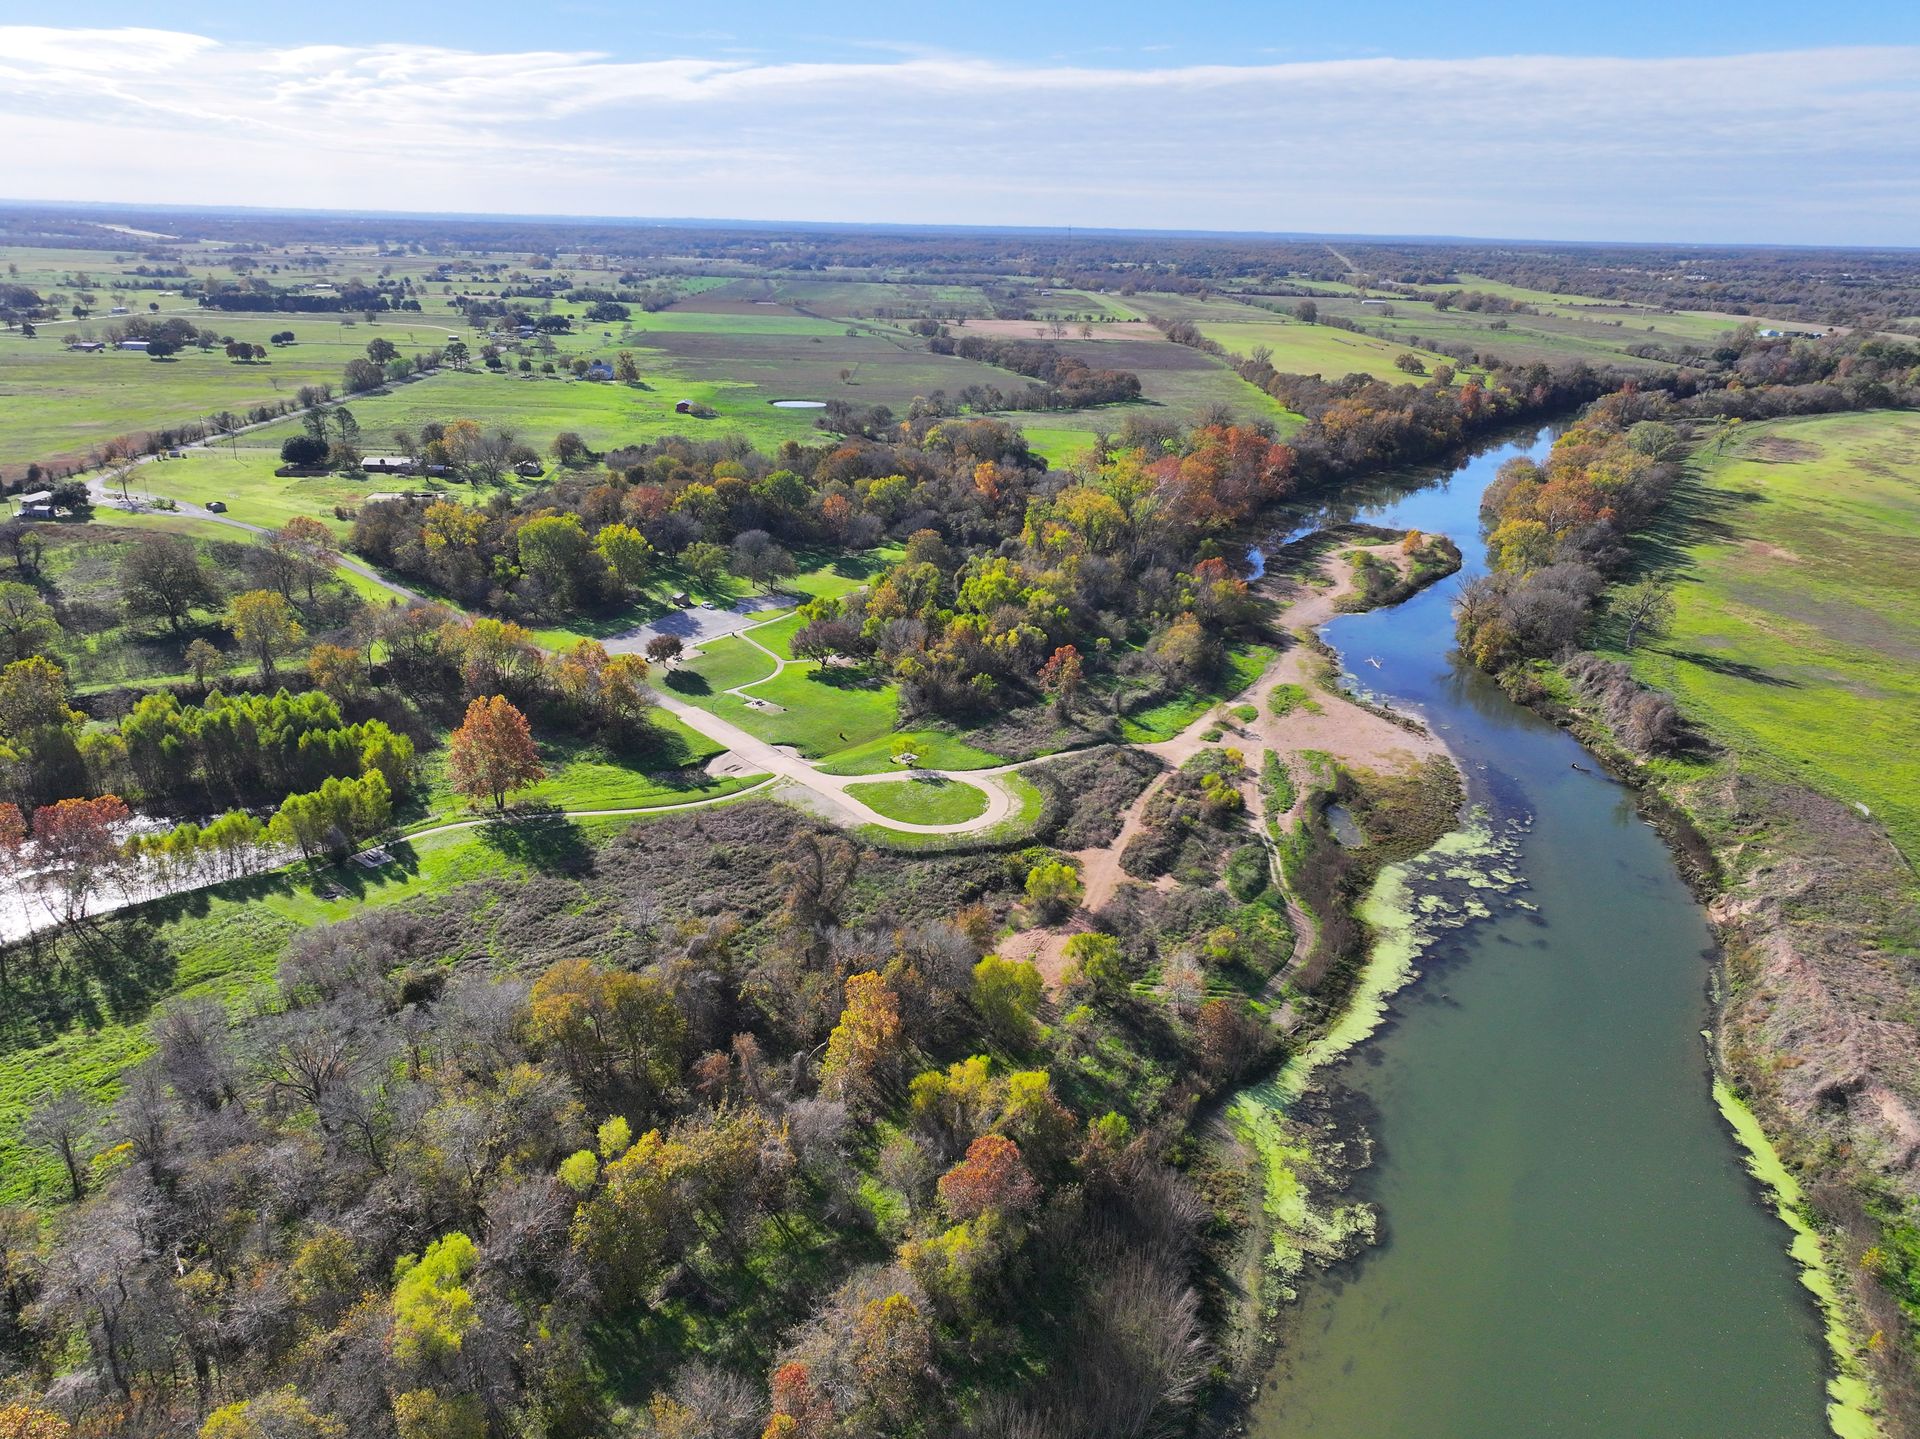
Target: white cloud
x: 1806, y: 146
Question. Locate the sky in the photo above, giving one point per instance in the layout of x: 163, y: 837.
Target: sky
x: 1789, y: 124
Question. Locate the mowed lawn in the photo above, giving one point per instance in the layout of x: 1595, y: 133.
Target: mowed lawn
x: 928, y: 800
x: 819, y: 710
x: 1797, y: 633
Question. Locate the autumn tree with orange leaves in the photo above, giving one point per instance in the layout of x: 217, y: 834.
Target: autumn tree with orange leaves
x: 492, y: 753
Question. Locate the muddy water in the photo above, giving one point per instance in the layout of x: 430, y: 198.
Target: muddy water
x: 1570, y: 1243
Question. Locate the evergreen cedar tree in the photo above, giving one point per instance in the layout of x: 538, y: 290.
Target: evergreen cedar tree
x: 492, y: 753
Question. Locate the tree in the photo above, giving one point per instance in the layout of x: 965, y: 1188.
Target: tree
x: 1054, y: 888
x: 569, y: 449
x: 39, y: 731
x: 163, y: 577
x: 202, y: 660
x: 337, y: 671
x: 705, y: 561
x: 626, y: 552
x: 62, y: 1125
x: 27, y: 622
x: 1095, y: 962
x: 303, y: 451
x: 992, y: 1176
x: 1645, y: 607
x: 492, y: 753
x: 554, y: 549
x: 893, y: 1353
x: 277, y: 1414
x: 79, y: 841
x: 433, y: 1310
x: 263, y: 625
x: 380, y: 350
x: 362, y: 375
x: 310, y: 547
x: 335, y: 817
x: 1410, y: 363
x: 26, y: 1421
x: 1006, y: 992
x: 625, y: 370
x: 1060, y: 676
x: 864, y: 1043
x: 665, y: 649
x: 758, y: 559
x: 617, y: 1035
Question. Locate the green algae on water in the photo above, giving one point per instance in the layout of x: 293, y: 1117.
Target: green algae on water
x: 1850, y: 1401
x: 1408, y: 904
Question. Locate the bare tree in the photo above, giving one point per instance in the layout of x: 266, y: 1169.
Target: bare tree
x: 63, y: 1125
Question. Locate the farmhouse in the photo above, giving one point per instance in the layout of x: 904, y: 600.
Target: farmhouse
x: 37, y: 506
x: 387, y: 465
x: 528, y: 469
x: 599, y: 370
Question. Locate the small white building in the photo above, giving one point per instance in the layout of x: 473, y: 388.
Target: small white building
x: 37, y: 506
x: 387, y: 465
x: 137, y: 345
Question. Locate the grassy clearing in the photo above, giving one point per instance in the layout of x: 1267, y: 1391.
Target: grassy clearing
x: 721, y: 664
x: 935, y: 749
x: 1796, y: 640
x: 924, y: 799
x: 1014, y: 829
x: 1317, y: 349
x: 820, y: 711
x: 668, y: 770
x: 1167, y: 718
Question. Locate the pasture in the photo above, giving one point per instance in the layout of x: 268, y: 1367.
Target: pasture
x: 1796, y: 641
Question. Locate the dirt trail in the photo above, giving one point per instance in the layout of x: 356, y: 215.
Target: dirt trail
x: 1330, y: 723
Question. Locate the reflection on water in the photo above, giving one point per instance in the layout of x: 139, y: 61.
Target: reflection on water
x: 1572, y: 1246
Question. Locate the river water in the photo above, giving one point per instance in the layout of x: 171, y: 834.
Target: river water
x: 1571, y: 1245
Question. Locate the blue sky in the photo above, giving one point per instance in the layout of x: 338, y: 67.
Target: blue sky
x: 1763, y: 122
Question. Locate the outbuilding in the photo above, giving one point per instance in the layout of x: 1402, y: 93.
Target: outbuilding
x: 387, y: 465
x: 37, y: 506
x: 683, y: 407
x: 133, y: 345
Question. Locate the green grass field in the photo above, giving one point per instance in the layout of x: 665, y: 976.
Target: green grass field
x: 822, y: 711
x: 665, y: 769
x: 933, y: 749
x: 1797, y: 635
x: 928, y: 800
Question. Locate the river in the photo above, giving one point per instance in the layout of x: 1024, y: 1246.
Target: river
x: 1571, y: 1245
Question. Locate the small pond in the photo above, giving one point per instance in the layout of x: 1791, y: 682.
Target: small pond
x: 799, y: 404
